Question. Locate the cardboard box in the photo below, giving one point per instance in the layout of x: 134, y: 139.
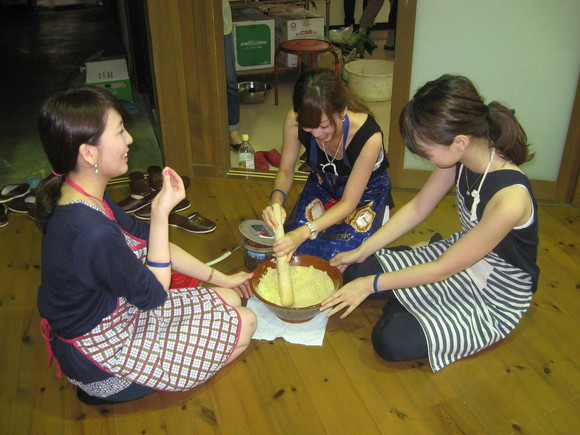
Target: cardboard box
x: 296, y: 23
x: 111, y: 75
x: 253, y: 39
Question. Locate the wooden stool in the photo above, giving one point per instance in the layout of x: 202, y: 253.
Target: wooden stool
x: 301, y: 47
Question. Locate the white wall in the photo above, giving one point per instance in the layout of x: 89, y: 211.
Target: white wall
x: 523, y: 53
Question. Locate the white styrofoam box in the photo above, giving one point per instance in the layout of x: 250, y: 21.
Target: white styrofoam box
x: 295, y: 23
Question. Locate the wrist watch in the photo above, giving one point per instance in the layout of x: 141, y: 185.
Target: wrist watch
x: 313, y: 230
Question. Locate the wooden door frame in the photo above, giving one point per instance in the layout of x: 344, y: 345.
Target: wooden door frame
x: 187, y: 48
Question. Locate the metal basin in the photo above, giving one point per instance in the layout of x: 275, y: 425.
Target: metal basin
x: 253, y: 92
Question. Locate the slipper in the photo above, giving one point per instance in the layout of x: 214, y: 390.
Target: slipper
x: 260, y: 161
x: 138, y: 184
x: 189, y: 225
x: 145, y: 212
x: 23, y: 204
x: 136, y: 202
x: 201, y: 220
x: 13, y: 191
x: 273, y: 157
x: 3, y: 215
x: 155, y: 177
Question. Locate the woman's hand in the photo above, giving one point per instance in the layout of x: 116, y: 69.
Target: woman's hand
x: 344, y: 259
x: 288, y: 244
x: 170, y: 194
x: 349, y: 296
x: 269, y: 218
x: 239, y: 282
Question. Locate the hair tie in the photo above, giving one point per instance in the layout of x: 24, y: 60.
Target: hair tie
x: 57, y: 174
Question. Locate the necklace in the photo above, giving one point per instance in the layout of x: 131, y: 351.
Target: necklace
x: 330, y: 162
x: 342, y: 141
x: 469, y: 188
x: 475, y: 193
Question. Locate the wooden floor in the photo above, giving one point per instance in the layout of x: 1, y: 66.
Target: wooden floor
x: 529, y: 383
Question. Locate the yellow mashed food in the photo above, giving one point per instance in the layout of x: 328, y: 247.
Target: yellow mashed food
x: 311, y: 286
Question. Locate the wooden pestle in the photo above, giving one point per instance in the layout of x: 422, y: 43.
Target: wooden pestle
x: 283, y: 268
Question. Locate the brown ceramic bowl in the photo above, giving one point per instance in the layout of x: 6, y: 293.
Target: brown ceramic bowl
x: 295, y: 314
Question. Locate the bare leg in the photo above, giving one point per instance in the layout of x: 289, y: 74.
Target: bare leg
x: 248, y: 319
x: 249, y: 324
x: 228, y: 295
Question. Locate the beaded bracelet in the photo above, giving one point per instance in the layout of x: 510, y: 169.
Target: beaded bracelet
x: 154, y: 264
x: 376, y: 282
x: 210, y: 275
x: 282, y: 192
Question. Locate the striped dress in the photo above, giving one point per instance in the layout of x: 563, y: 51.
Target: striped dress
x: 478, y: 306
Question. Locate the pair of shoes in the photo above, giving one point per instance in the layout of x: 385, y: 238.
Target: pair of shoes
x: 273, y: 157
x: 13, y: 191
x: 194, y: 223
x: 235, y: 148
x: 3, y: 215
x: 263, y: 159
x: 138, y: 184
x: 24, y: 204
x: 145, y: 212
x: 260, y: 161
x: 136, y: 202
x: 155, y: 177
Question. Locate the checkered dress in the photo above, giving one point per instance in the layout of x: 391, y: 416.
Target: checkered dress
x: 174, y: 347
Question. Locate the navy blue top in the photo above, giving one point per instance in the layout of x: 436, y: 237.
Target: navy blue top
x: 87, y: 264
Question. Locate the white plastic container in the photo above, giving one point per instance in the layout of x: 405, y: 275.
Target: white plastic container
x: 371, y: 80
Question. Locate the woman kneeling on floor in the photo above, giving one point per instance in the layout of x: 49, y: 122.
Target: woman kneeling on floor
x: 457, y: 296
x: 110, y: 315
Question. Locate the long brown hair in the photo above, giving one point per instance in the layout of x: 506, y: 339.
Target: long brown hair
x: 320, y: 91
x: 67, y: 120
x: 449, y: 106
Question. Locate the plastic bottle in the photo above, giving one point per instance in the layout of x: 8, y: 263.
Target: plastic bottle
x: 246, y: 154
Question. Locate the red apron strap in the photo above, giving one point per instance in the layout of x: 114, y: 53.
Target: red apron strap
x: 46, y: 331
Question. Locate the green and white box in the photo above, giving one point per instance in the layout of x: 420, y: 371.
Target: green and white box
x: 111, y: 75
x: 253, y: 39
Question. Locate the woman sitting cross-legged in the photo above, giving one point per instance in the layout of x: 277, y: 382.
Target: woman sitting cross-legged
x: 117, y: 328
x: 454, y: 297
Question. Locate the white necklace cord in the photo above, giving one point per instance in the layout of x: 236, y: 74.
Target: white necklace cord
x: 331, y: 162
x: 475, y: 193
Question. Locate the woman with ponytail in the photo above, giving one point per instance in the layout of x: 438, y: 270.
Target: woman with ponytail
x: 113, y: 315
x: 454, y: 297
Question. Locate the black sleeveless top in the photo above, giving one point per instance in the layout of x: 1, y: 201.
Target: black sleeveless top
x: 360, y: 138
x: 520, y: 246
